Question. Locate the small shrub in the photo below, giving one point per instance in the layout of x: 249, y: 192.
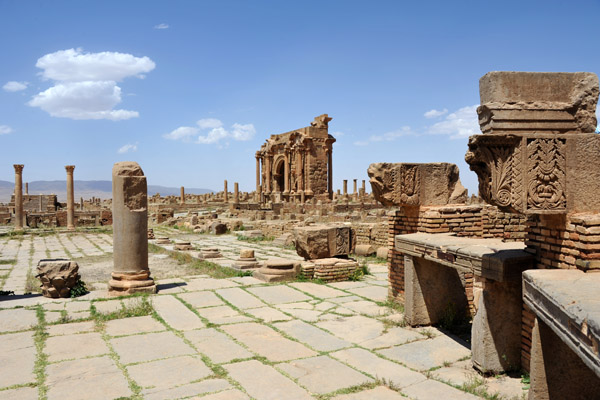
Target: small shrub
x: 79, y: 289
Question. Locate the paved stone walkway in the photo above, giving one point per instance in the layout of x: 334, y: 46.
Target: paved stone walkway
x: 228, y: 339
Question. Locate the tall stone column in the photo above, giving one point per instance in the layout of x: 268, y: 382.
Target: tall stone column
x: 330, y: 173
x: 236, y: 193
x: 26, y: 188
x: 258, y: 187
x: 41, y: 201
x: 130, y: 231
x: 225, y: 194
x: 81, y: 204
x: 182, y: 195
x: 268, y: 176
x: 307, y: 174
x: 355, y: 190
x: 18, y: 196
x: 70, y: 198
x: 364, y: 188
x: 286, y: 173
x: 345, y: 187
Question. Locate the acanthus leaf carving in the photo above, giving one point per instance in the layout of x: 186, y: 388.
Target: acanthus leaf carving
x: 546, y: 165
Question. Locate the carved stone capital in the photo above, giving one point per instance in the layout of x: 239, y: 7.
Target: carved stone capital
x: 70, y: 169
x: 18, y: 168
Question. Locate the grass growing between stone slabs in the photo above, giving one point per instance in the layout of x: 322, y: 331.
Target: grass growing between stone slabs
x: 142, y: 308
x: 32, y: 284
x: 41, y: 360
x: 259, y: 239
x: 200, y: 267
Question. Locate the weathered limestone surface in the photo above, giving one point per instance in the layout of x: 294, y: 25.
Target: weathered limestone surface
x: 323, y: 241
x: 404, y: 184
x: 130, y: 229
x: 277, y: 270
x: 58, y: 277
x: 538, y: 153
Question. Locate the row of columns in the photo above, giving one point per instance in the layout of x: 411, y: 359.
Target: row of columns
x: 345, y: 187
x: 19, y: 197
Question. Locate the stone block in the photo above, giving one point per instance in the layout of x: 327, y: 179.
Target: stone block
x: 364, y: 250
x: 403, y: 184
x: 277, y: 271
x: 323, y: 241
x: 58, y: 277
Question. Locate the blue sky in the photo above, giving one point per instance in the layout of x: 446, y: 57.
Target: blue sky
x: 191, y: 89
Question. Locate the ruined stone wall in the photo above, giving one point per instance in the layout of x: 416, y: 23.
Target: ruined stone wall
x: 374, y: 234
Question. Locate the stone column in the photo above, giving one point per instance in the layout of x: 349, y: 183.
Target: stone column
x: 286, y: 173
x: 329, y: 173
x: 307, y: 175
x: 182, y: 195
x: 364, y: 188
x: 225, y: 194
x: 258, y: 188
x: 345, y: 187
x: 81, y: 204
x: 269, y: 174
x: 130, y: 231
x: 236, y: 193
x: 41, y: 201
x: 27, y: 188
x: 18, y: 196
x: 70, y: 198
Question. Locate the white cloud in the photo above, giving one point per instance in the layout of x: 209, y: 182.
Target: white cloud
x: 86, y: 83
x: 14, y: 86
x: 386, y: 137
x: 459, y: 124
x: 161, y: 26
x: 210, y: 130
x: 5, y: 129
x: 127, y: 148
x: 435, y: 113
x: 337, y: 134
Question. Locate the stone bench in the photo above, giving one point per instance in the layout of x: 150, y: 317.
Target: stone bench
x: 434, y: 274
x: 564, y: 351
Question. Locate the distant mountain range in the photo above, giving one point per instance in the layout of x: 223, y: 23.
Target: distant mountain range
x: 85, y: 189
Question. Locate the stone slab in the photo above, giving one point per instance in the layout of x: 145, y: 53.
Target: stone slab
x: 17, y: 351
x: 151, y: 346
x: 232, y: 394
x: 430, y: 389
x: 17, y: 319
x: 132, y: 326
x: 323, y: 375
x: 378, y: 393
x: 373, y: 293
x: 240, y: 298
x: 216, y: 345
x: 107, y: 307
x: 168, y: 373
x: 312, y: 336
x: 268, y: 314
x: 176, y: 314
x: 278, y: 294
x: 23, y: 393
x: 278, y: 387
x: 99, y: 378
x: 72, y: 328
x: 319, y: 291
x: 208, y: 284
x: 75, y: 346
x: 393, y: 337
x: 201, y: 299
x: 378, y: 367
x: 188, y: 390
x: 367, y: 308
x: 423, y: 355
x: 357, y: 329
x: 267, y: 342
x: 222, y: 315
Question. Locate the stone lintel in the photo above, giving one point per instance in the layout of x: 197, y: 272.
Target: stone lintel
x: 489, y: 258
x: 567, y: 301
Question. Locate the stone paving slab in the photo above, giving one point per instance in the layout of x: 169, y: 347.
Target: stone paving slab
x: 426, y: 354
x: 216, y: 345
x: 75, y: 346
x: 240, y: 298
x: 176, y: 314
x: 393, y: 337
x: 379, y: 368
x: 254, y: 376
x: 222, y: 315
x: 357, y: 329
x: 132, y: 326
x: 17, y: 320
x: 278, y: 294
x: 71, y: 328
x: 107, y: 307
x: 208, y: 284
x: 267, y: 342
x: 151, y: 346
x: 24, y: 393
x: 348, y: 285
x: 233, y: 394
x: 201, y: 299
x: 301, y: 310
x: 99, y: 378
x: 378, y: 393
x: 323, y: 375
x: 434, y: 390
x: 17, y: 351
x: 168, y: 373
x: 320, y: 291
x: 191, y: 389
x: 367, y: 308
x: 312, y: 336
x: 374, y: 293
x: 268, y: 314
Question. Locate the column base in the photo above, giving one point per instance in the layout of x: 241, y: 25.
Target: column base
x: 71, y: 228
x: 123, y: 284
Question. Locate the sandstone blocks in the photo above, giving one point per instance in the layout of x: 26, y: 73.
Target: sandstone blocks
x: 58, y: 277
x: 322, y: 241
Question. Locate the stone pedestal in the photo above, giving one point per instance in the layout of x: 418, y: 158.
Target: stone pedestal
x: 181, y: 245
x: 130, y: 225
x: 70, y: 198
x: 211, y: 253
x: 246, y: 260
x: 277, y: 271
